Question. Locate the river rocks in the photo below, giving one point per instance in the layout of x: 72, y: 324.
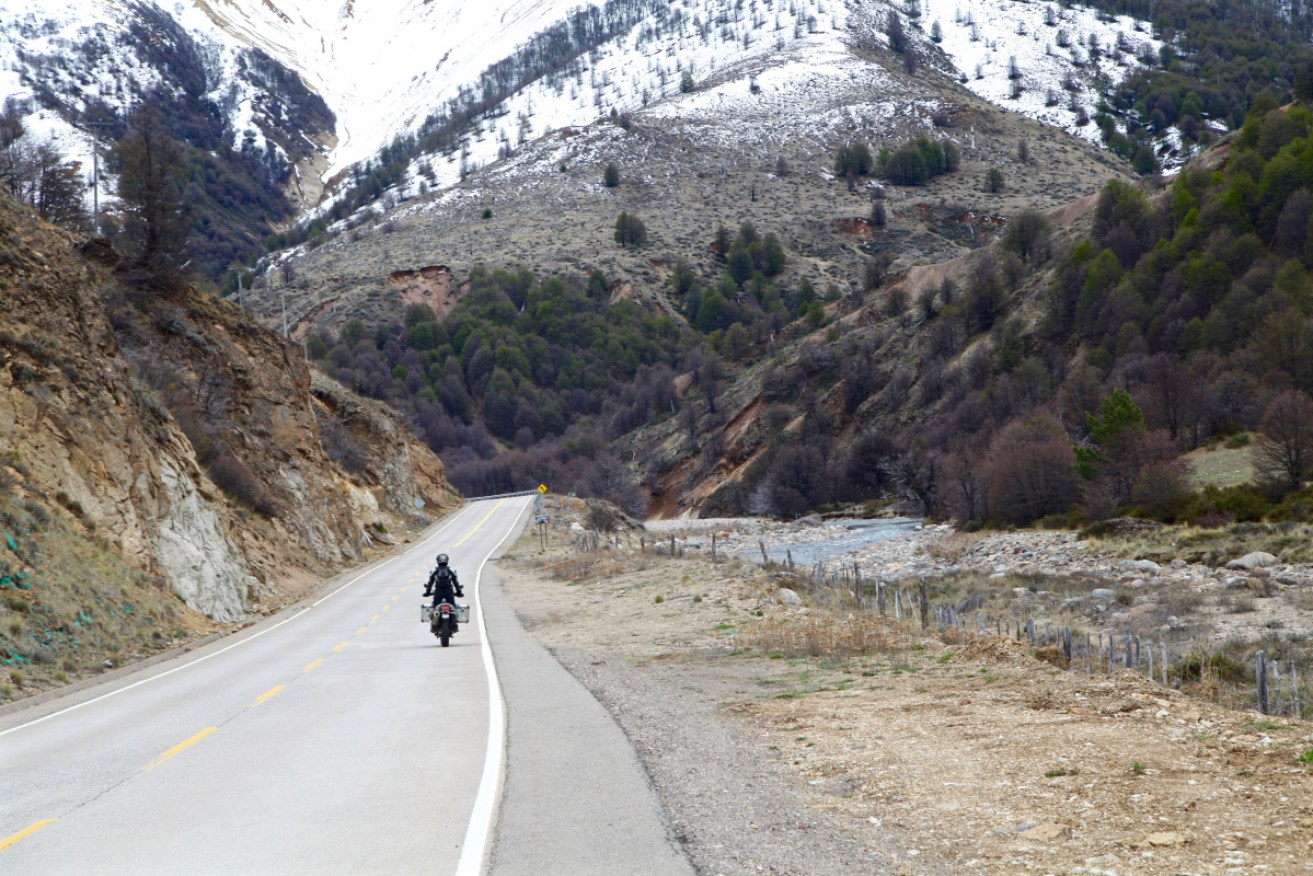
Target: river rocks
x: 1148, y: 566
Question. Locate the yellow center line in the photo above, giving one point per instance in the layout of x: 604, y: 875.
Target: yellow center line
x: 313, y: 663
x: 359, y: 630
x: 340, y: 646
x: 480, y: 523
x: 395, y: 598
x: 25, y: 833
x: 182, y: 746
x: 374, y: 618
x: 269, y: 694
x: 387, y: 607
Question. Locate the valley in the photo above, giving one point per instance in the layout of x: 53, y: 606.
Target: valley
x: 1028, y: 284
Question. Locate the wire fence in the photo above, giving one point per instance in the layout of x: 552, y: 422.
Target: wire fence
x: 1276, y: 685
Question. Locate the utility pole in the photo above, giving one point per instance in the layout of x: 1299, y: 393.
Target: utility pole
x: 86, y: 127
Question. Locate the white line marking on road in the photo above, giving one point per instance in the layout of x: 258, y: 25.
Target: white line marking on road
x: 475, y: 845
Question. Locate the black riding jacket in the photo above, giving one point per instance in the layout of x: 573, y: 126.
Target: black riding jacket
x: 445, y: 587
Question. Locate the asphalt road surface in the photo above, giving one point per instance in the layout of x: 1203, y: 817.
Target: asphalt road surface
x: 338, y: 737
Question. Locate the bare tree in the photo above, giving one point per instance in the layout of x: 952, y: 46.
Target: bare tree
x: 1284, y: 455
x: 1030, y: 471
x: 964, y: 482
x: 915, y: 474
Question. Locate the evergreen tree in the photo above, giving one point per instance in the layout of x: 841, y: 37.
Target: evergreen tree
x: 630, y: 230
x: 150, y: 165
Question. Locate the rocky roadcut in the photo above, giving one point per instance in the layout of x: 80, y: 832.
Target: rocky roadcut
x: 917, y: 755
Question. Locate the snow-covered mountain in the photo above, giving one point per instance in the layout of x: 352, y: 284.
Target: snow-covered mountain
x: 387, y: 67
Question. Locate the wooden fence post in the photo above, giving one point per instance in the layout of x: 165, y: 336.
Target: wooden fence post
x: 1294, y: 691
x: 1260, y: 677
x: 925, y: 604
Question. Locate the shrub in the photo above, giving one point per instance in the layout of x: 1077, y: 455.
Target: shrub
x: 1218, y: 666
x: 1242, y: 503
x: 1160, y: 490
x: 232, y: 475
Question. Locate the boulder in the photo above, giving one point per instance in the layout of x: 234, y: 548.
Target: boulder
x: 785, y: 596
x: 1252, y: 561
x: 1047, y: 832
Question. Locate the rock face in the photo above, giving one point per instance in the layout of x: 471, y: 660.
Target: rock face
x: 185, y: 433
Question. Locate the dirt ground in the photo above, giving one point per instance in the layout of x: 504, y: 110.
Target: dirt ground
x: 913, y: 753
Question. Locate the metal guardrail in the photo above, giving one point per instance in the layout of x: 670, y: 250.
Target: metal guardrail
x: 502, y: 495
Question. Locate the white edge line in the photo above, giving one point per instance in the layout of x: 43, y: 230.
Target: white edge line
x: 475, y: 845
x: 199, y: 660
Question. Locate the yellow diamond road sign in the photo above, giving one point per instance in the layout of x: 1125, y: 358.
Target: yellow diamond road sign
x: 542, y: 488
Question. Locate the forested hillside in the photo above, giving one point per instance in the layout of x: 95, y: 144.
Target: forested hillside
x: 528, y: 378
x: 1066, y: 375
x: 1218, y: 59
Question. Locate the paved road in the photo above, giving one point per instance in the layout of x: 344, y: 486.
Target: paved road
x: 338, y: 738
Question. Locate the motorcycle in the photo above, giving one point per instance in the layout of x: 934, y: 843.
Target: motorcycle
x: 443, y: 619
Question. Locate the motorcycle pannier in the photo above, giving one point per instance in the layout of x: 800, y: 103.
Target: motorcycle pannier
x: 462, y: 613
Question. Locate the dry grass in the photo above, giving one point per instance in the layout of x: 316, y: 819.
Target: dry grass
x: 1222, y: 466
x: 826, y: 637
x: 951, y: 547
x: 79, y: 606
x: 1288, y: 542
x: 587, y: 566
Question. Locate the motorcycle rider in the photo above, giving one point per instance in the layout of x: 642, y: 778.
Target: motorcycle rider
x: 444, y: 586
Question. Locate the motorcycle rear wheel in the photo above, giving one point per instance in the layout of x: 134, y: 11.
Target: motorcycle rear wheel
x: 444, y: 632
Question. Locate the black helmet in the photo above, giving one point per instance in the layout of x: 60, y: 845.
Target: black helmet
x: 442, y: 559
